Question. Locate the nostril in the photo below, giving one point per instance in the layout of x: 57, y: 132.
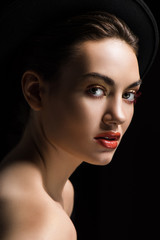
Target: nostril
x: 107, y: 117
x: 113, y: 119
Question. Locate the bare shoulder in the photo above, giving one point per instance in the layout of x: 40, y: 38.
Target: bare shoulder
x: 25, y: 210
x: 68, y: 197
x: 34, y: 219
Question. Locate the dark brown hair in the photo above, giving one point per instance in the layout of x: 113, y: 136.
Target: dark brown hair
x: 54, y: 44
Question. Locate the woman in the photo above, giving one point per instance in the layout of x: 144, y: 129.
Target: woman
x: 80, y: 77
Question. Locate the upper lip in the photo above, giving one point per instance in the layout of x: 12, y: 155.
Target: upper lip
x: 114, y: 136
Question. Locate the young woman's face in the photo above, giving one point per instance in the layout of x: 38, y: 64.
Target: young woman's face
x: 90, y: 109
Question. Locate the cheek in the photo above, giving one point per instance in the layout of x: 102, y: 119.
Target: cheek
x: 79, y: 116
x: 129, y: 112
x: 71, y: 117
x: 72, y: 125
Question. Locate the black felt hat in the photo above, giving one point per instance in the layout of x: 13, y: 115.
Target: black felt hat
x: 20, y: 18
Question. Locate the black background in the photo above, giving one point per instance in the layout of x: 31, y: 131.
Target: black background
x: 120, y: 200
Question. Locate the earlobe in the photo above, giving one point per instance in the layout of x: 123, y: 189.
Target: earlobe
x: 31, y: 87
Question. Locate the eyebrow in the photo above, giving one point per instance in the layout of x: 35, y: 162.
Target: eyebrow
x: 109, y: 80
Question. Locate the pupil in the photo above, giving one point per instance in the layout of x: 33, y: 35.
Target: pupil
x: 93, y: 90
x: 126, y: 95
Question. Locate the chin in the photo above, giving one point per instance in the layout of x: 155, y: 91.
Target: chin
x: 104, y: 162
x: 102, y: 159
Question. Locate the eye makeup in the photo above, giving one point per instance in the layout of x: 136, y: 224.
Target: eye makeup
x: 137, y: 95
x: 98, y: 86
x: 96, y: 91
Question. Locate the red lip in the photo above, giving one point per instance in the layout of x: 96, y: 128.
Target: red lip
x: 108, y: 139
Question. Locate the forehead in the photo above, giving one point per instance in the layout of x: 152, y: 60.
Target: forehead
x: 111, y: 57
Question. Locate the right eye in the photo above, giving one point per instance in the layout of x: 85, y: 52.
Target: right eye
x: 96, y: 91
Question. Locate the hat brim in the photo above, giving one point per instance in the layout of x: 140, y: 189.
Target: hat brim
x: 20, y: 19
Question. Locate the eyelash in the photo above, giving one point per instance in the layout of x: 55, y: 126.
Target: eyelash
x: 136, y: 94
x: 88, y: 91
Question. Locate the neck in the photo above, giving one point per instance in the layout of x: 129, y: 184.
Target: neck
x: 55, y: 164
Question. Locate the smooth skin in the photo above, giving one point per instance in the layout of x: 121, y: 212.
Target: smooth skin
x: 95, y: 93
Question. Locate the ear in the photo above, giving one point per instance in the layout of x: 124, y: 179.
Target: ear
x: 32, y: 89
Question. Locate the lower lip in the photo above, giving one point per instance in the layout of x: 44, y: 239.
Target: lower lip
x: 107, y: 144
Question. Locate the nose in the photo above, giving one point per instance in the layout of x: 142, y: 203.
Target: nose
x: 115, y: 112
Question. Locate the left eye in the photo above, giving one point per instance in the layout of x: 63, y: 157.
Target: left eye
x: 96, y: 92
x: 129, y: 96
